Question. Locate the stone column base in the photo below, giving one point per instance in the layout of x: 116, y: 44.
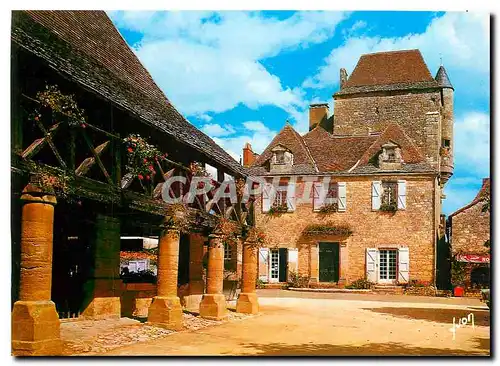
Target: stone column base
x: 193, y: 301
x: 166, y: 312
x: 247, y: 303
x: 35, y: 329
x: 103, y: 308
x: 213, y: 306
x: 141, y: 307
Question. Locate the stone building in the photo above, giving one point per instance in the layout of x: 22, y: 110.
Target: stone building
x: 81, y: 102
x: 468, y: 231
x: 359, y: 195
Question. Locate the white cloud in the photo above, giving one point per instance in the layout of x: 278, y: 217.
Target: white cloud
x: 214, y: 129
x: 210, y: 62
x: 255, y: 132
x: 472, y: 143
x: 461, y: 39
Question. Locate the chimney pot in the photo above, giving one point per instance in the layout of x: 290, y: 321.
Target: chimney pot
x: 343, y: 77
x: 318, y: 113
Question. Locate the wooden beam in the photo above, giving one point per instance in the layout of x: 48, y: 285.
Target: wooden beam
x: 97, y: 158
x: 37, y: 145
x: 85, y: 166
x: 48, y: 138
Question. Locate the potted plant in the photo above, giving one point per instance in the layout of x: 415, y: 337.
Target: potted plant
x: 458, y: 277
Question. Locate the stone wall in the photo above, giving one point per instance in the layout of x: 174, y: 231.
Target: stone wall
x: 413, y: 111
x: 413, y: 228
x: 470, y: 229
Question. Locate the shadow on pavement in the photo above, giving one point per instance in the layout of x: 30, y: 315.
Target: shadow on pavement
x: 481, y: 318
x: 371, y: 349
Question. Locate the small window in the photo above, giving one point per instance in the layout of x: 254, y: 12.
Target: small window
x: 280, y: 157
x: 391, y: 155
x: 389, y: 193
x: 228, y: 253
x: 280, y: 198
x: 446, y: 143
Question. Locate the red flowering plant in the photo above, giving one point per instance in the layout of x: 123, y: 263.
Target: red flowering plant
x: 142, y: 157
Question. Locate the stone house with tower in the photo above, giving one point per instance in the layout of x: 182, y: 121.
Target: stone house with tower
x: 359, y: 195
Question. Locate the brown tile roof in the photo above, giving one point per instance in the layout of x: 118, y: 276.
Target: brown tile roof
x: 290, y: 139
x: 393, y: 70
x: 86, y: 47
x: 334, y: 153
x: 480, y: 196
x: 341, y: 154
x: 411, y: 154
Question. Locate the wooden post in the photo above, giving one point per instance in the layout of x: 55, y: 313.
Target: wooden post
x: 213, y: 303
x: 35, y: 323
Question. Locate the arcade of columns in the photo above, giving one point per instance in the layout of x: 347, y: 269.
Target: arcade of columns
x: 35, y: 322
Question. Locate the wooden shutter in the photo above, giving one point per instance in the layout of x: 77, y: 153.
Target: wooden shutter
x: 403, y: 265
x: 341, y: 191
x: 293, y: 260
x: 264, y: 264
x: 371, y: 264
x: 318, y: 196
x: 266, y: 197
x: 290, y: 197
x: 401, y: 194
x: 376, y: 194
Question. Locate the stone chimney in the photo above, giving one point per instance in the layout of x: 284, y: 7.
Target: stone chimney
x: 248, y: 155
x: 318, y: 113
x: 343, y: 77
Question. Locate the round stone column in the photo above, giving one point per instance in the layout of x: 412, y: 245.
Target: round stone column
x: 247, y: 300
x: 196, y: 283
x: 35, y: 323
x: 166, y: 310
x: 213, y: 303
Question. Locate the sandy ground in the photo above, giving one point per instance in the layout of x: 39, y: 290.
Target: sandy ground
x: 333, y: 326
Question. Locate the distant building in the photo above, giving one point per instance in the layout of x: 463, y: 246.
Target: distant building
x: 469, y: 229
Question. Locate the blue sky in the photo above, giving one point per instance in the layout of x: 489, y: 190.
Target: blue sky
x: 239, y: 76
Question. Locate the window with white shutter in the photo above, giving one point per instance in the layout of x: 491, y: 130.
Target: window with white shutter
x: 371, y: 264
x: 401, y: 194
x: 376, y: 191
x: 266, y: 197
x: 341, y: 191
x: 290, y: 197
x: 318, y: 200
x: 403, y: 265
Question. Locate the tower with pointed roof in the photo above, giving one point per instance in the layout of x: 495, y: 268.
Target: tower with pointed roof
x: 397, y: 87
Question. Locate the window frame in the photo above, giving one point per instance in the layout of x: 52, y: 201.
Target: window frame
x: 383, y: 198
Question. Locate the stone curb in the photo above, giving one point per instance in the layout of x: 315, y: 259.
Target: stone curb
x: 344, y: 290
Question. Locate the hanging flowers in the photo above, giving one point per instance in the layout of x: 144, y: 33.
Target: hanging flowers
x: 64, y: 107
x: 198, y: 170
x: 142, y: 157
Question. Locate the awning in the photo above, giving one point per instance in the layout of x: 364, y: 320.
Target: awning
x: 473, y: 258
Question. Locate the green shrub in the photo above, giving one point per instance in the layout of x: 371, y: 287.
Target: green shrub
x: 298, y: 281
x: 259, y: 283
x: 360, y: 284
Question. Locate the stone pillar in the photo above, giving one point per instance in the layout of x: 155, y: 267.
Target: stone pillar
x: 213, y: 303
x: 166, y: 310
x: 314, y: 263
x: 239, y: 259
x: 103, y: 289
x: 35, y: 323
x: 196, y: 283
x: 247, y: 300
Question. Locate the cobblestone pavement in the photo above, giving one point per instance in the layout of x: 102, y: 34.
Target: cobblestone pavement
x: 89, y: 337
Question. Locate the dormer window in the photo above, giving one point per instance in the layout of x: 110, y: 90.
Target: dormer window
x: 390, y: 157
x: 281, y: 159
